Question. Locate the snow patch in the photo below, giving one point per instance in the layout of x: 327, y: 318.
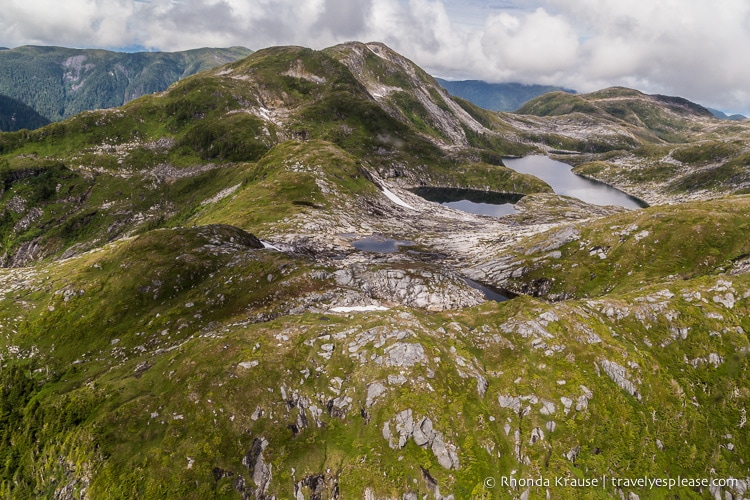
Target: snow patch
x: 269, y: 246
x: 395, y: 199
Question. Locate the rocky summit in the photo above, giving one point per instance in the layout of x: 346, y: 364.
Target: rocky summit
x: 231, y: 290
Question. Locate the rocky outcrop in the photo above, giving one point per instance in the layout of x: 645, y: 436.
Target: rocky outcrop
x: 422, y: 431
x: 317, y: 487
x: 374, y: 391
x: 434, y: 290
x: 259, y: 470
x: 26, y: 254
x: 441, y: 111
x: 402, y: 355
x: 618, y: 375
x: 555, y: 240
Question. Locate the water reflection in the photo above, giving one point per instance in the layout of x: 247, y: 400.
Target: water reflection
x: 489, y: 293
x: 471, y: 200
x: 380, y: 244
x: 558, y: 175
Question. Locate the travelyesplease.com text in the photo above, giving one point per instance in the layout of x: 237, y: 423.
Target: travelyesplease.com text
x: 642, y: 482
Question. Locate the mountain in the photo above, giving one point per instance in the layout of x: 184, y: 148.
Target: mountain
x: 616, y: 102
x: 15, y: 115
x: 724, y: 116
x: 497, y: 96
x: 185, y: 315
x: 60, y: 82
x: 665, y: 148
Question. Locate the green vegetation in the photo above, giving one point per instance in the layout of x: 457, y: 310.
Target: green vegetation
x: 650, y: 118
x: 657, y: 172
x: 709, y: 152
x: 150, y: 347
x: 160, y: 397
x: 558, y: 103
x: 726, y: 176
x: 623, y: 252
x: 153, y: 162
x: 15, y: 115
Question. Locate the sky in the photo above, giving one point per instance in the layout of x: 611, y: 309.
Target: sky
x: 690, y: 48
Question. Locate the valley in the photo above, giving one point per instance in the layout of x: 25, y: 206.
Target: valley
x: 231, y: 289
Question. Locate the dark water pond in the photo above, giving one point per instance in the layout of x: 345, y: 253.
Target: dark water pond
x: 471, y: 200
x: 379, y: 243
x: 489, y: 293
x: 558, y: 175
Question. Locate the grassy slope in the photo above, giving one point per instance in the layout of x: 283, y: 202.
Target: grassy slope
x: 623, y: 252
x: 652, y: 118
x: 157, y: 382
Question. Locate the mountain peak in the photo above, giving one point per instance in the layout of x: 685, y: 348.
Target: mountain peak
x: 682, y: 105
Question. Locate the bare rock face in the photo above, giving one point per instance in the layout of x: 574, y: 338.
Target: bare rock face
x: 445, y: 453
x: 260, y: 471
x: 317, y: 487
x: 422, y: 431
x: 618, y: 375
x: 431, y: 290
x: 339, y: 407
x: 26, y: 254
x: 512, y: 402
x: 374, y: 391
x: 404, y: 427
x: 556, y: 240
x: 403, y: 355
x: 572, y: 455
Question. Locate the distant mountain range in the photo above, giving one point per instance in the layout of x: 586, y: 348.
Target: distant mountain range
x: 59, y: 82
x: 47, y: 84
x: 512, y: 96
x: 724, y: 116
x: 497, y: 96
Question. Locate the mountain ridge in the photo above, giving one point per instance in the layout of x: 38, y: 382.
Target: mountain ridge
x: 59, y: 82
x: 497, y: 96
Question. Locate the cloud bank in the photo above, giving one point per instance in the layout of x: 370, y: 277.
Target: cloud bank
x: 691, y: 48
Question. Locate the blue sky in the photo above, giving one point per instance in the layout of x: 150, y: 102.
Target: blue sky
x: 691, y: 48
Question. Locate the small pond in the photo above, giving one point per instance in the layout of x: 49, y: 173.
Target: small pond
x: 490, y: 293
x: 379, y: 243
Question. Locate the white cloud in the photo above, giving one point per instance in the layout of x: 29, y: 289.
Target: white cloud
x: 47, y: 22
x: 534, y: 46
x: 692, y: 48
